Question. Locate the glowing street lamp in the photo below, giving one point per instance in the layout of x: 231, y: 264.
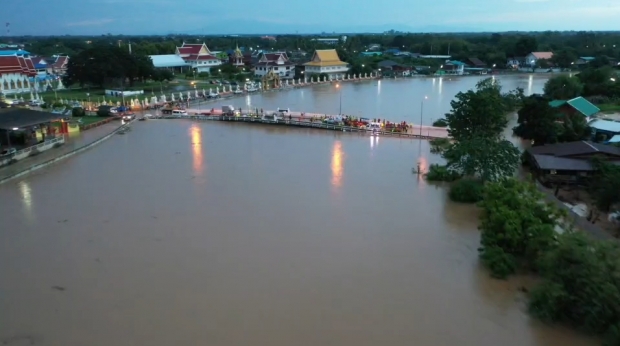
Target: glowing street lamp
x: 340, y: 96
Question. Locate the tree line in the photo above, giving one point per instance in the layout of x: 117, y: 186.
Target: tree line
x: 493, y: 48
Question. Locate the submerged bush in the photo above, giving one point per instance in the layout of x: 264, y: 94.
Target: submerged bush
x: 441, y: 173
x: 466, y: 191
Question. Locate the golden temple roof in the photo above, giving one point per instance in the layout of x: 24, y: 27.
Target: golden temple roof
x: 325, y: 57
x: 238, y: 53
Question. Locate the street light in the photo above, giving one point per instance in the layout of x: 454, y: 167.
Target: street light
x: 340, y: 96
x: 422, y: 115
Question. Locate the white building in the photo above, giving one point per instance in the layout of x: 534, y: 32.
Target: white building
x: 326, y: 61
x: 15, y: 73
x: 276, y: 62
x: 534, y: 57
x: 198, y: 57
x: 168, y: 61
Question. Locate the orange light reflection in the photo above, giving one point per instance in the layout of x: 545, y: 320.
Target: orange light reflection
x: 196, y: 137
x: 337, y: 164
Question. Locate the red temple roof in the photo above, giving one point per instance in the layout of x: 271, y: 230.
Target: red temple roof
x: 200, y: 57
x: 17, y: 64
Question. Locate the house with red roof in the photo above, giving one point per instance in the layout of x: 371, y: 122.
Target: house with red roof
x: 15, y: 74
x: 279, y: 63
x: 57, y: 64
x: 534, y: 57
x: 198, y: 57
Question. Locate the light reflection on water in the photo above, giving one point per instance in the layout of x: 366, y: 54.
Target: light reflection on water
x: 337, y: 158
x: 196, y: 142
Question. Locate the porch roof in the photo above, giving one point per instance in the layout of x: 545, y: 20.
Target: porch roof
x: 11, y: 118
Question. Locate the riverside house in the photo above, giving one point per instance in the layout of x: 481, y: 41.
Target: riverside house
x: 568, y: 163
x: 326, y: 61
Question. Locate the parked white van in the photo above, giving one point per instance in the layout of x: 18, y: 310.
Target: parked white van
x: 179, y: 112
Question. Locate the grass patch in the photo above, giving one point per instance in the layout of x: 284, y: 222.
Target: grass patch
x: 609, y: 107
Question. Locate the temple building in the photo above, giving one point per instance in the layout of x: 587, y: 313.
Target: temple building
x: 15, y: 74
x: 277, y: 63
x: 198, y: 57
x: 54, y: 65
x: 326, y: 61
x: 236, y: 58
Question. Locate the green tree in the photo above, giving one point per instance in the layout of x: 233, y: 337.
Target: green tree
x: 486, y: 158
x: 537, y: 121
x: 581, y: 286
x: 516, y: 228
x: 525, y: 45
x: 604, y: 187
x: 542, y: 124
x: 564, y: 58
x: 104, y: 65
x: 478, y: 113
x: 563, y: 87
x: 574, y: 128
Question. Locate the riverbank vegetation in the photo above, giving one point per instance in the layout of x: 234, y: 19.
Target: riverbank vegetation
x: 579, y: 284
x: 477, y: 152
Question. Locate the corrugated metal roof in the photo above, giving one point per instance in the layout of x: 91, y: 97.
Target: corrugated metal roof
x: 562, y: 163
x: 574, y: 148
x: 584, y: 106
x: 605, y: 125
x: 167, y: 60
x: 580, y: 104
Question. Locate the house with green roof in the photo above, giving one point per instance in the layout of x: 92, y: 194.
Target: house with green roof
x: 577, y: 105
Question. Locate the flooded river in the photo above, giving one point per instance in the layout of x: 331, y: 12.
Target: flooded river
x: 222, y: 234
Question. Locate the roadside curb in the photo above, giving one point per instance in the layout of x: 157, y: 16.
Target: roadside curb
x: 64, y: 156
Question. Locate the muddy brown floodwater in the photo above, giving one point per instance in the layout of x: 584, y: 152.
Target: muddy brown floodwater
x: 182, y: 233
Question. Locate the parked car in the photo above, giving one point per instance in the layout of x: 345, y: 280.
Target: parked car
x: 213, y: 95
x: 284, y: 111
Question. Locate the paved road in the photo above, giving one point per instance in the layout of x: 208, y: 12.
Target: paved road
x: 71, y: 144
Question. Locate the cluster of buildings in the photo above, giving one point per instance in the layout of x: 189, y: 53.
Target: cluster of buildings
x: 21, y: 72
x: 571, y: 162
x: 198, y: 58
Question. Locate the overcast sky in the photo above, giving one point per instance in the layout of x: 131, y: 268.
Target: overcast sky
x: 87, y: 17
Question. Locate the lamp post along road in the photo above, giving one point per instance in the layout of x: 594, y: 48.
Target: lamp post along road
x: 340, y: 98
x: 422, y: 115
